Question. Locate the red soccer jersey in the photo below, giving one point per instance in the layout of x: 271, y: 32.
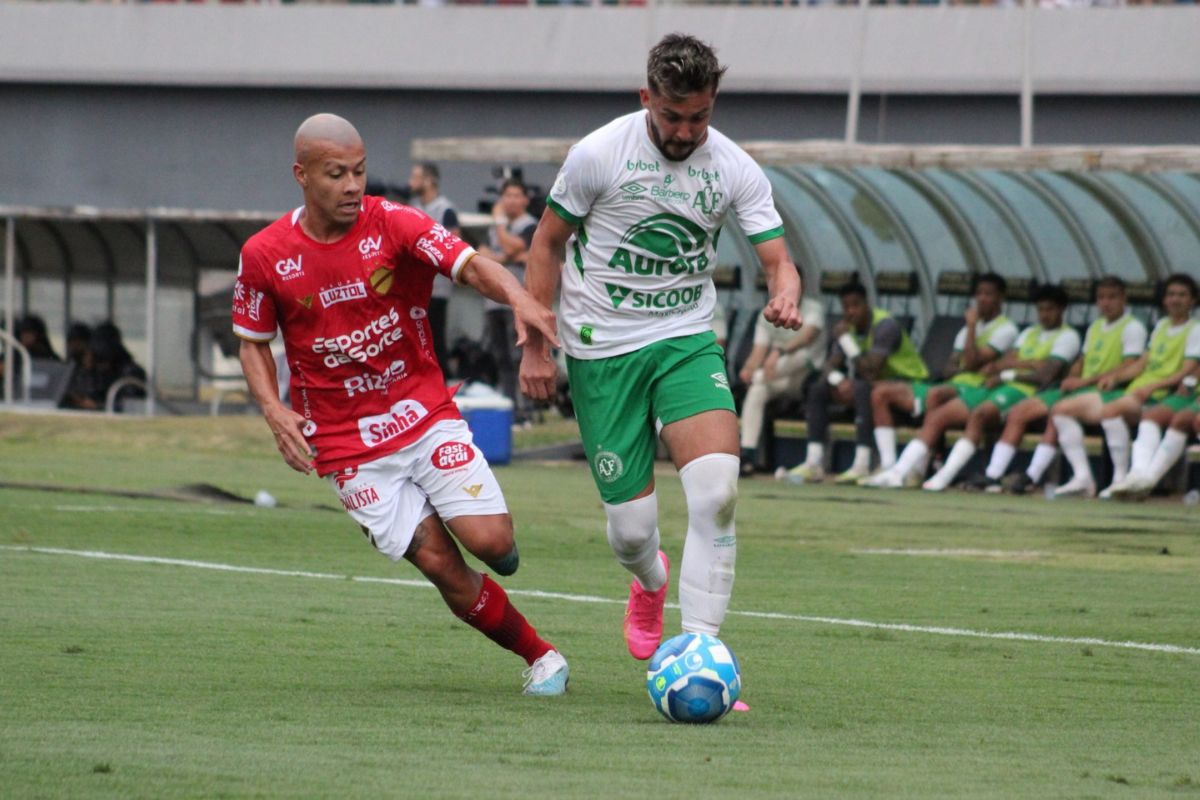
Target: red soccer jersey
x: 353, y: 316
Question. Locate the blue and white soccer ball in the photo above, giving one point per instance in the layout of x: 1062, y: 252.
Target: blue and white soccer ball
x: 693, y: 678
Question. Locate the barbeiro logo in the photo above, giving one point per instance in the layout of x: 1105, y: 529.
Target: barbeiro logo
x: 289, y: 268
x: 452, y: 455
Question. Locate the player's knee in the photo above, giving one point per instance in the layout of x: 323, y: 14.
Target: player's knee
x: 507, y: 564
x: 710, y: 486
x: 632, y: 524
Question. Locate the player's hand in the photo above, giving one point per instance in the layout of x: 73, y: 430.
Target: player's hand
x: 782, y: 312
x: 288, y: 427
x: 529, y: 313
x: 971, y: 316
x: 1141, y: 394
x: 1071, y: 384
x: 538, y: 373
x: 745, y: 375
x: 992, y: 382
x: 1107, y: 383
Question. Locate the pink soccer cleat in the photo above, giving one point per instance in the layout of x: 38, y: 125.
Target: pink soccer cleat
x: 644, y: 616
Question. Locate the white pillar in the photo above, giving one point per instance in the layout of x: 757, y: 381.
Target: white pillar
x: 10, y: 298
x: 151, y: 297
x: 1027, y: 78
x: 854, y: 98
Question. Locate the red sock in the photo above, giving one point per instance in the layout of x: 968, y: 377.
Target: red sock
x: 496, y: 618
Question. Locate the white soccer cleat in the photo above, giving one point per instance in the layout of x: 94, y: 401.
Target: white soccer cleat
x: 1078, y: 486
x: 547, y: 676
x: 888, y: 479
x: 934, y: 484
x: 1135, y: 485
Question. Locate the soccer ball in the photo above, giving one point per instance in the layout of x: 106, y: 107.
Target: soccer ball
x: 693, y: 678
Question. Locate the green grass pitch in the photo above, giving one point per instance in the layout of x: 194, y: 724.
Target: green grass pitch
x: 130, y: 679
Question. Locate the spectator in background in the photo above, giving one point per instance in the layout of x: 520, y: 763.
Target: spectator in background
x: 423, y: 182
x: 79, y: 336
x: 31, y: 332
x: 509, y: 238
x: 777, y: 366
x: 104, y: 362
x: 870, y: 346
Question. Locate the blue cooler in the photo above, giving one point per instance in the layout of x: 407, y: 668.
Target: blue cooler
x: 490, y: 420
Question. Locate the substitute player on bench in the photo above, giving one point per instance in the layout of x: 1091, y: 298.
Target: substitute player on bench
x: 347, y: 278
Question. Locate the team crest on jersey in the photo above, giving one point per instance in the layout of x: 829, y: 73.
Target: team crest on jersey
x: 290, y: 268
x: 452, y: 455
x: 305, y: 301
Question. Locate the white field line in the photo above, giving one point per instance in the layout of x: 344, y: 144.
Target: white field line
x: 577, y: 598
x: 965, y: 551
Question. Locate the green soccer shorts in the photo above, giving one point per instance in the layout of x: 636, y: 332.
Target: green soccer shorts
x: 1052, y: 396
x: 1174, y: 402
x: 1004, y: 397
x: 972, y: 396
x: 620, y: 402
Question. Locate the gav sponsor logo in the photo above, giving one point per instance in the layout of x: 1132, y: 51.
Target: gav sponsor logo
x: 367, y: 382
x: 362, y: 344
x: 289, y: 268
x: 351, y: 501
x: 666, y: 299
x: 380, y: 428
x: 370, y: 245
x: 452, y: 455
x: 340, y: 294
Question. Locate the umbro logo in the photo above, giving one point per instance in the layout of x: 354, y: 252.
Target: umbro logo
x: 633, y: 188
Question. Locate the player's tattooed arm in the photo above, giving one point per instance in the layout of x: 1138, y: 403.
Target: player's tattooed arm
x: 258, y: 364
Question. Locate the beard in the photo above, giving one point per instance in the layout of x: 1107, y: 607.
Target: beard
x: 671, y: 150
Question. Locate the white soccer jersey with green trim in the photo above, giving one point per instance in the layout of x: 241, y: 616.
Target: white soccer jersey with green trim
x: 639, y: 268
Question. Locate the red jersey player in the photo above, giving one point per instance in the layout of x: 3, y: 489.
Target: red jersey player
x: 347, y: 278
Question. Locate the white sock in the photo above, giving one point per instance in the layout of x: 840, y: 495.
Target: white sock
x: 709, y: 552
x: 960, y: 454
x: 1172, y: 447
x: 915, y: 453
x: 1116, y: 434
x: 1002, y: 456
x: 633, y: 537
x: 1043, y: 456
x: 1070, y: 440
x: 862, y: 458
x: 885, y: 443
x: 1148, y: 437
x: 814, y: 456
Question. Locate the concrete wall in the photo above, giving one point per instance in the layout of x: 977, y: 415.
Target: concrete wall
x: 787, y: 50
